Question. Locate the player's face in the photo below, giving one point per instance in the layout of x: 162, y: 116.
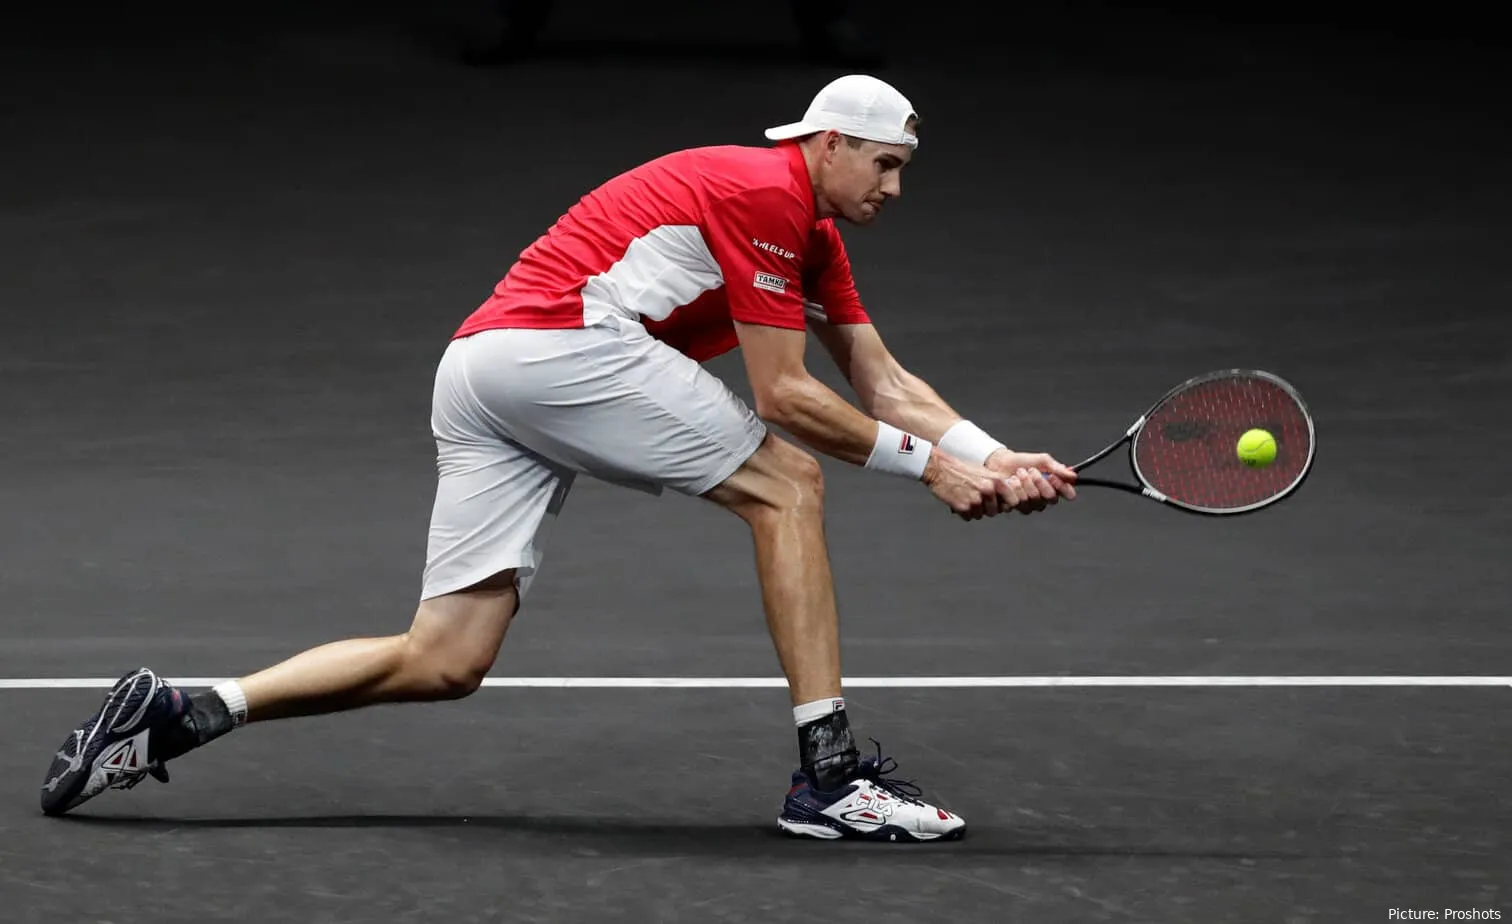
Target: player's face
x: 860, y: 179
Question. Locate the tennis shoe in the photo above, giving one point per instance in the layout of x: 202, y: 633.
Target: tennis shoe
x: 114, y: 748
x: 871, y: 806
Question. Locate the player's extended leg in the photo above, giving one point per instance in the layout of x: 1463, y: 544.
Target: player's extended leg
x: 146, y: 722
x: 446, y: 653
x: 779, y: 492
x: 493, y: 497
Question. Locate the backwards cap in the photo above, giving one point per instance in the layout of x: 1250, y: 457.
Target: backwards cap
x: 857, y: 105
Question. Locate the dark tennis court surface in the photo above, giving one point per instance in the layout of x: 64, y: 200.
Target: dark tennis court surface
x: 233, y: 253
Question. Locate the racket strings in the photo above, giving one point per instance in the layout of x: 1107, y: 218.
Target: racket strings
x: 1187, y: 448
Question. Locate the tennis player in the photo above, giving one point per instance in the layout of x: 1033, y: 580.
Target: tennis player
x: 586, y: 359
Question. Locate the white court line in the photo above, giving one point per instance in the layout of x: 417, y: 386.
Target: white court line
x: 733, y: 683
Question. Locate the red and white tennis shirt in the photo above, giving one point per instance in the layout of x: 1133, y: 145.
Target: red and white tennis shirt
x: 684, y: 244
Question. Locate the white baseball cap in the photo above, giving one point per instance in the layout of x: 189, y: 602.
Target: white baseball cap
x: 855, y: 105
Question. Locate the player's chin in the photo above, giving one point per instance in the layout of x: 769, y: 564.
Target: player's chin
x: 864, y: 214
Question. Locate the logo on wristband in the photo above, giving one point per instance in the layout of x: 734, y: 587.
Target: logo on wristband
x: 906, y: 444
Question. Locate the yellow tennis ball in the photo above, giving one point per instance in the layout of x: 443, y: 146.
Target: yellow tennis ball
x: 1257, y: 448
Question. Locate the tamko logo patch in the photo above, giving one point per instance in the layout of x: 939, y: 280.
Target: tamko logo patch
x: 771, y: 283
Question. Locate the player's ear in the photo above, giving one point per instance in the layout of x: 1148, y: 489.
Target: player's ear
x: 833, y: 141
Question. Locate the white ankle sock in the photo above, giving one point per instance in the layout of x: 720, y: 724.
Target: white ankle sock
x: 816, y: 710
x: 231, y: 694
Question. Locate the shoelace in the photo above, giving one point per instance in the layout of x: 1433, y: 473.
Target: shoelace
x: 876, y: 771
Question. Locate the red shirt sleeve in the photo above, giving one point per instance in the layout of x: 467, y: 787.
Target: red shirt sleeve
x: 758, y: 238
x: 827, y: 283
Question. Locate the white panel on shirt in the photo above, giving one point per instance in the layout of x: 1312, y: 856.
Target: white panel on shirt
x: 661, y: 271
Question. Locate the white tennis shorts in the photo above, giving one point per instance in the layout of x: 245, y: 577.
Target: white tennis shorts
x: 517, y: 414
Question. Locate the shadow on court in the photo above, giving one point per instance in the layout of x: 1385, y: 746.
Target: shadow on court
x: 577, y: 834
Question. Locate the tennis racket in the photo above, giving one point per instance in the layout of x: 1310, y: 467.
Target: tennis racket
x: 1183, y: 450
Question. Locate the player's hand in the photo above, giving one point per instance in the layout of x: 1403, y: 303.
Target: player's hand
x: 971, y: 491
x: 1045, y: 479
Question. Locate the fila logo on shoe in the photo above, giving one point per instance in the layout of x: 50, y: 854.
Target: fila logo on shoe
x: 125, y: 758
x: 868, y: 808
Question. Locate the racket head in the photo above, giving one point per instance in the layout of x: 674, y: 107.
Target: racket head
x: 1185, y: 451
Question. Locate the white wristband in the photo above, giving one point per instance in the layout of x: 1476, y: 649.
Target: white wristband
x: 898, y: 453
x: 967, y: 442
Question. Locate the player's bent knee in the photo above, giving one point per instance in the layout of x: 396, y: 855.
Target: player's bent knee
x: 455, y: 638
x: 458, y: 681
x: 447, y: 672
x: 779, y: 479
x: 805, y: 479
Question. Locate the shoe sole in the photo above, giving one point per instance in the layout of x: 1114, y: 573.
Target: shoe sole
x: 68, y: 777
x: 888, y: 833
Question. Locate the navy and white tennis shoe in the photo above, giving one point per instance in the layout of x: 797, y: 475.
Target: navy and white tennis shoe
x: 869, y: 807
x: 114, y: 748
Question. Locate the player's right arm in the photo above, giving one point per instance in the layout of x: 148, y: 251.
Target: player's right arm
x: 790, y: 397
x: 758, y: 237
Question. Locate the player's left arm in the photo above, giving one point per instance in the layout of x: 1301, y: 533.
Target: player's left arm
x: 888, y: 391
